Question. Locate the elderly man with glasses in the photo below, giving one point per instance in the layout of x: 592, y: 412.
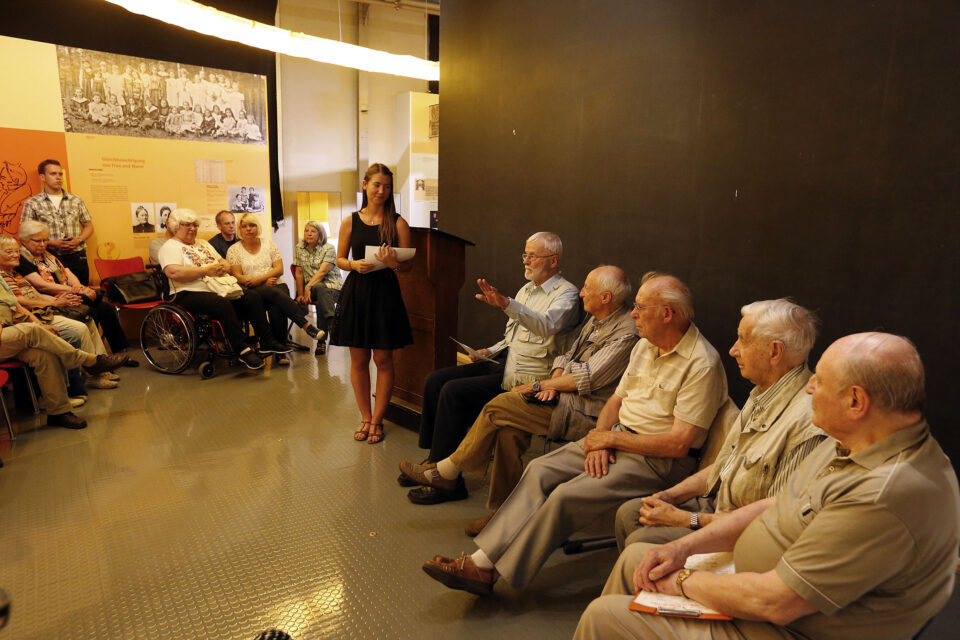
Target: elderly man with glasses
x: 541, y: 322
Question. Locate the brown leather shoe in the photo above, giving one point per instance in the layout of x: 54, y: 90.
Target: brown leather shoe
x: 68, y: 420
x: 417, y: 473
x: 461, y: 573
x: 107, y: 363
x: 474, y: 527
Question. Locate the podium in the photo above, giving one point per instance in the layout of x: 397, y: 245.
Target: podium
x: 431, y: 292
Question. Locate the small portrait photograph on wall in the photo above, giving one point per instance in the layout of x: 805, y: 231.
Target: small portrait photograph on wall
x: 113, y: 94
x: 163, y: 212
x: 243, y: 199
x: 142, y: 214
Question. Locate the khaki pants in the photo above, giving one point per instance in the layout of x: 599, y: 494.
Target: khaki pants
x: 48, y: 356
x: 503, y: 429
x: 555, y: 498
x: 609, y: 617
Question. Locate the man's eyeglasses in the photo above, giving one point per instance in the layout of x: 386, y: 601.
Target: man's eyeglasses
x: 640, y: 309
x: 533, y: 256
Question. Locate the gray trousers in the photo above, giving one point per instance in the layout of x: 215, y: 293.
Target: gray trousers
x: 609, y: 618
x: 556, y: 498
x: 629, y: 530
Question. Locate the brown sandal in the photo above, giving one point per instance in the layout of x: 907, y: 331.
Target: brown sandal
x: 362, y: 433
x: 377, y: 434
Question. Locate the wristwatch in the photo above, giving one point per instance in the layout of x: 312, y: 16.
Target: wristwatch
x: 695, y: 520
x: 683, y: 575
x: 536, y: 387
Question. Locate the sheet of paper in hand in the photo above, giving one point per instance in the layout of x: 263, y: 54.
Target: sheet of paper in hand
x: 473, y: 352
x: 665, y: 605
x: 370, y: 255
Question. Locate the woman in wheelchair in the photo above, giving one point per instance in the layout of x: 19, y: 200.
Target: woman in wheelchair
x: 256, y: 264
x: 189, y: 263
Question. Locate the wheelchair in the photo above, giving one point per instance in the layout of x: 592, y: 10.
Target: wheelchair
x: 173, y: 339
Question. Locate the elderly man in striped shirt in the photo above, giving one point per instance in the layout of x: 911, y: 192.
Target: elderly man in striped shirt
x: 771, y: 436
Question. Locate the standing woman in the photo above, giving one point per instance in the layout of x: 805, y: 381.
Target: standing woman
x: 371, y: 316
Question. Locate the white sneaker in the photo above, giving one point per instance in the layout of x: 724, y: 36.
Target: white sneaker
x: 98, y: 382
x: 78, y: 401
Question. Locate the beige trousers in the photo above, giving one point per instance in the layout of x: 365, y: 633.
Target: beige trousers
x: 503, y: 429
x: 48, y: 356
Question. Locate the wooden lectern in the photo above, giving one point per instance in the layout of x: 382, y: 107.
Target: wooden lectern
x: 431, y: 292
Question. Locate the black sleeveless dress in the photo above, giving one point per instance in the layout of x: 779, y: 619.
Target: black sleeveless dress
x: 371, y: 313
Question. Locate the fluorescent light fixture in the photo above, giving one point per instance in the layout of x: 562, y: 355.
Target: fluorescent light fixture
x: 213, y: 22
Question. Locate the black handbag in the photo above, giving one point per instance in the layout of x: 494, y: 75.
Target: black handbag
x: 131, y: 288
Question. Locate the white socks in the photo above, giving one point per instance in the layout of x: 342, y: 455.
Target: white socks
x: 447, y: 469
x: 481, y: 560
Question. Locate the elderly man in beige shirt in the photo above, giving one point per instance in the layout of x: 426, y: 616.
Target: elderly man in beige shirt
x: 645, y: 441
x: 862, y: 542
x: 772, y: 435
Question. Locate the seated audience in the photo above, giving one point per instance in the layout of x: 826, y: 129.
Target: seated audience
x: 23, y: 338
x: 256, y: 264
x: 188, y: 263
x: 770, y: 437
x: 860, y: 543
x: 647, y: 439
x: 541, y: 322
x: 562, y: 406
x: 317, y: 277
x: 48, y: 275
x: 53, y: 310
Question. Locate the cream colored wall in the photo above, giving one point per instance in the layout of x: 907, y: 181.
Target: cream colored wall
x: 334, y: 121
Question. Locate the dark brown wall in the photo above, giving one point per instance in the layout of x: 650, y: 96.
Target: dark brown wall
x: 756, y: 149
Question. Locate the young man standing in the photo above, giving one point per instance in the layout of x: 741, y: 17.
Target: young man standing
x: 66, y: 215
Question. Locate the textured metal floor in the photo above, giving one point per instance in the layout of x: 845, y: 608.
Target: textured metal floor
x: 219, y: 508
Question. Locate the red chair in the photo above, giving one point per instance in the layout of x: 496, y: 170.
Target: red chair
x: 5, y: 369
x: 110, y: 268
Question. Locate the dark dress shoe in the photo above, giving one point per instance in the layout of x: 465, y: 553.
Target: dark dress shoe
x: 133, y: 364
x: 429, y: 495
x: 68, y: 420
x: 106, y: 363
x: 404, y: 481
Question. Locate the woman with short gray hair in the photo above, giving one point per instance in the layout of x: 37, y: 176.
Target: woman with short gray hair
x: 48, y: 275
x: 317, y: 277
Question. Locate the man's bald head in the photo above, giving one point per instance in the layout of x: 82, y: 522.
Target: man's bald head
x: 886, y: 365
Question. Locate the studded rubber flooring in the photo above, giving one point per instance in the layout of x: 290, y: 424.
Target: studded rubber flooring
x: 219, y: 508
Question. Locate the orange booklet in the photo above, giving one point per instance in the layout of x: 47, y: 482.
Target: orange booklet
x: 662, y: 604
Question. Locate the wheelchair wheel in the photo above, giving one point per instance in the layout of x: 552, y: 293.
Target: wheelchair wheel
x: 206, y: 370
x: 168, y: 338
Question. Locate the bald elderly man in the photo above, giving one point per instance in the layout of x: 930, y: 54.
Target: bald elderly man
x: 646, y: 440
x: 862, y: 542
x: 772, y: 435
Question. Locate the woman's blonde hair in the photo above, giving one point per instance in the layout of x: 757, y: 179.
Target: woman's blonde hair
x: 251, y: 218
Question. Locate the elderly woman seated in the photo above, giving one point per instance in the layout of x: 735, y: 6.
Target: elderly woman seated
x: 24, y: 338
x: 47, y: 274
x: 190, y: 264
x: 256, y: 264
x: 82, y: 334
x: 317, y: 276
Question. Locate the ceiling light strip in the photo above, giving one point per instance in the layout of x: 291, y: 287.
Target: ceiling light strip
x: 213, y: 22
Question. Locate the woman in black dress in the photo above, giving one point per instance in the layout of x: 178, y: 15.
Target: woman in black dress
x: 371, y: 316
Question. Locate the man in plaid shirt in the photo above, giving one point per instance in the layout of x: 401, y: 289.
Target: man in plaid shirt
x: 66, y: 215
